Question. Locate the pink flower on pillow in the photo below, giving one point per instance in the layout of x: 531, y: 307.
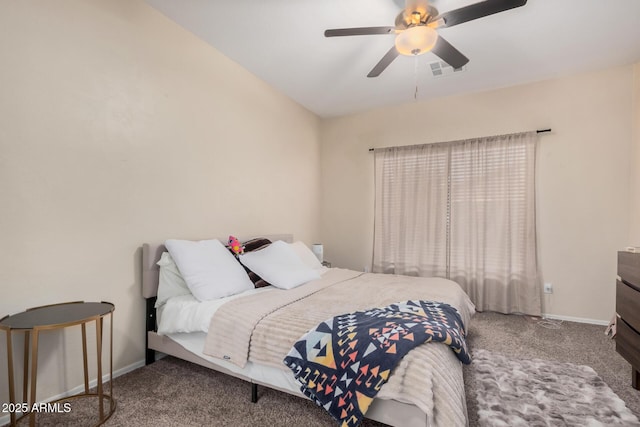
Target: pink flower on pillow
x: 235, y: 246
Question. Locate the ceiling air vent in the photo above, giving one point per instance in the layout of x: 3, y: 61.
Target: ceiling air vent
x: 441, y: 69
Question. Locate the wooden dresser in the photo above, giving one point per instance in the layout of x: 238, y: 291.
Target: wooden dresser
x: 628, y: 310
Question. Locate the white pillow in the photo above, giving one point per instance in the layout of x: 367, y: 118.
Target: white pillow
x: 208, y: 268
x: 171, y: 283
x: 279, y: 265
x: 306, y: 255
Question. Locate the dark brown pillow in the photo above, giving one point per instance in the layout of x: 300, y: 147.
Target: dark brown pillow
x: 256, y: 244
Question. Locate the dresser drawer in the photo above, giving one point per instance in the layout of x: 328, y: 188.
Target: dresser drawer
x: 629, y: 267
x: 627, y: 304
x: 628, y: 343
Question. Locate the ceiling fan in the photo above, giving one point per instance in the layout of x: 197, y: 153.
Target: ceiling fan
x: 415, y: 30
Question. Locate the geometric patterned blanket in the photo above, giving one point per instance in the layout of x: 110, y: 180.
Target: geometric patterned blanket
x: 343, y: 362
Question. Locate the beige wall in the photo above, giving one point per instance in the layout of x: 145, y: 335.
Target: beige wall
x: 583, y: 175
x: 118, y: 127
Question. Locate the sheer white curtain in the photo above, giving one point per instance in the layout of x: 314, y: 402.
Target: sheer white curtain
x: 463, y: 210
x: 411, y: 210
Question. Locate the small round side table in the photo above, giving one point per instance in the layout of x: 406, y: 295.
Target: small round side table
x: 59, y: 316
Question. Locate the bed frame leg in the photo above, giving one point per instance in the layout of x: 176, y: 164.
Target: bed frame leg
x: 150, y: 355
x: 254, y: 393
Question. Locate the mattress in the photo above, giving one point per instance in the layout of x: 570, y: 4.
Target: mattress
x: 186, y: 321
x: 278, y: 378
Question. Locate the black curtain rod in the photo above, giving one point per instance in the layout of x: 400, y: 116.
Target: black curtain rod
x: 537, y: 131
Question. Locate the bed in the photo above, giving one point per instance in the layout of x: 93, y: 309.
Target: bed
x: 426, y: 388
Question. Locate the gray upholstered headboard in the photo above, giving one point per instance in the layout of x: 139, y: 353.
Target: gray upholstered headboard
x: 151, y: 254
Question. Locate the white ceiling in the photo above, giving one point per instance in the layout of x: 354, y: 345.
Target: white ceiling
x: 283, y: 43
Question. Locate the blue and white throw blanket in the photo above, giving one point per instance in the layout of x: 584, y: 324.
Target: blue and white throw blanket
x: 343, y: 362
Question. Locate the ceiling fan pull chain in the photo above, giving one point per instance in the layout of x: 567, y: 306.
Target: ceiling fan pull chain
x: 415, y: 73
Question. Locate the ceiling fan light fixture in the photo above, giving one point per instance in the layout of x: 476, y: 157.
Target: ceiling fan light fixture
x: 416, y: 18
x: 416, y: 40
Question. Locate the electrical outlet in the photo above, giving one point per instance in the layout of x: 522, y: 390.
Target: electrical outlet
x: 548, y: 288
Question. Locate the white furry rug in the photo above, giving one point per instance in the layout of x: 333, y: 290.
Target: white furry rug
x: 544, y: 393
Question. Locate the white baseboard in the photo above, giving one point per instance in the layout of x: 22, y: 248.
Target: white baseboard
x: 79, y: 389
x: 576, y: 319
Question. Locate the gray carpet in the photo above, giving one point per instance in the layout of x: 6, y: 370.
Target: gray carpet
x: 172, y: 392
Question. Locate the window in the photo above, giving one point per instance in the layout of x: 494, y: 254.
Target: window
x: 463, y: 210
